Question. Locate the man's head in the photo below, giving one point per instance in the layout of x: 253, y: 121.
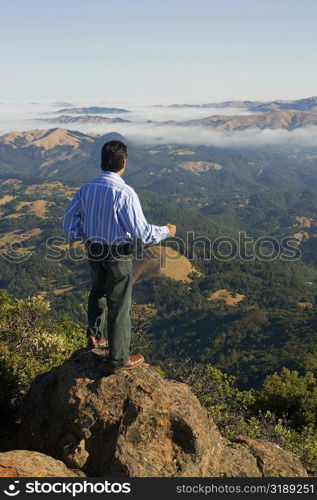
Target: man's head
x: 114, y: 156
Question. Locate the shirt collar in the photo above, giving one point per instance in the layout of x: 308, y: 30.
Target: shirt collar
x: 112, y: 175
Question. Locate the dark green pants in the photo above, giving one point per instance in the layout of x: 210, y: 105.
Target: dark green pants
x: 109, y: 304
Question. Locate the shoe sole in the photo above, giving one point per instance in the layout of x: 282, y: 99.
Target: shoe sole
x: 117, y: 370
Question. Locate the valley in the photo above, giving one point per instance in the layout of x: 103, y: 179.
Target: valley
x: 246, y: 313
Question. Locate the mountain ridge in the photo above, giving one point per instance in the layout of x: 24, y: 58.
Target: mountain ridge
x: 93, y: 109
x: 83, y: 119
x: 46, y: 138
x: 288, y: 120
x: 306, y: 103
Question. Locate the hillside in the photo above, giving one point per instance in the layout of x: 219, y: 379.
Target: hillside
x: 93, y: 110
x: 83, y: 119
x: 306, y: 104
x: 161, y: 261
x: 46, y: 139
x: 286, y: 119
x: 213, y: 192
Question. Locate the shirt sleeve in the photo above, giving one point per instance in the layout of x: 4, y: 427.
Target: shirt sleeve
x: 72, y: 221
x: 131, y: 217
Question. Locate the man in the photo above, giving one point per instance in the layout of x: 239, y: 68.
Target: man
x: 106, y: 214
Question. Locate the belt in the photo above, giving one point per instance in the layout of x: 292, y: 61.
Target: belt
x: 98, y: 249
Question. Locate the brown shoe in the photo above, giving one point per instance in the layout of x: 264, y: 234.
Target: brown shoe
x: 103, y: 343
x: 94, y: 343
x: 133, y: 361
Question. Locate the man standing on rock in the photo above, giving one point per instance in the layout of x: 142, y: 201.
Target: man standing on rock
x: 106, y: 214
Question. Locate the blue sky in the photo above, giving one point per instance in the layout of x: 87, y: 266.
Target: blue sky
x: 158, y: 51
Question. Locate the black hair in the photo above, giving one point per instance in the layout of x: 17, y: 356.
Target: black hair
x: 113, y: 154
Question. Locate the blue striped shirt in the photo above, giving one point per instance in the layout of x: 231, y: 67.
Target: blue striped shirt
x: 106, y: 209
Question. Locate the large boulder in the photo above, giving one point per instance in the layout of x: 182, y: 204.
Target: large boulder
x: 135, y: 423
x: 23, y: 463
x: 247, y: 457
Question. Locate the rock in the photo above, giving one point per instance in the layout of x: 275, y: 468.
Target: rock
x: 23, y: 463
x: 238, y: 461
x: 133, y: 423
x: 258, y: 457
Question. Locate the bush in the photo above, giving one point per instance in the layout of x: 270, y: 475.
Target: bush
x: 33, y: 340
x: 290, y: 396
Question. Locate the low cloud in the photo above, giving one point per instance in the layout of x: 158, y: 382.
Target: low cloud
x: 155, y: 134
x: 142, y: 131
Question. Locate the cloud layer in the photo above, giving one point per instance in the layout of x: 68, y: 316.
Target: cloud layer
x: 17, y: 117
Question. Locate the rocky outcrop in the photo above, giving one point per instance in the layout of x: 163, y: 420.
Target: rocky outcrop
x: 135, y: 423
x: 246, y: 457
x: 23, y: 463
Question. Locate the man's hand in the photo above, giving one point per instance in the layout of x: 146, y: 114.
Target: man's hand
x: 172, y: 230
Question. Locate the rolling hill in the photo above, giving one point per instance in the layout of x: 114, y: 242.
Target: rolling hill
x: 45, y: 139
x: 305, y: 104
x: 83, y: 119
x: 286, y: 119
x: 211, y: 192
x: 93, y: 110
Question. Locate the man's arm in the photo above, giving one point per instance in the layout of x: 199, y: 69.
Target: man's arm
x: 131, y: 217
x: 72, y: 221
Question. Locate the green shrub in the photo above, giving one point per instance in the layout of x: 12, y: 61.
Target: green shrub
x: 290, y: 396
x: 32, y: 341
